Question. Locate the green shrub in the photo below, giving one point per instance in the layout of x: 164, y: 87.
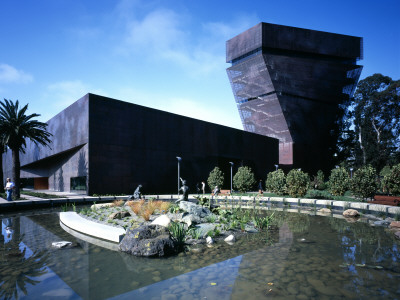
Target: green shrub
x: 318, y: 181
x: 276, y: 182
x: 297, y: 183
x: 244, y: 179
x: 364, y: 184
x: 386, y: 170
x: 392, y: 181
x: 338, y: 181
x: 216, y: 177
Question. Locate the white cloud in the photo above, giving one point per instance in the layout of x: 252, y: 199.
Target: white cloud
x: 163, y: 34
x: 64, y: 93
x: 9, y: 74
x: 192, y: 108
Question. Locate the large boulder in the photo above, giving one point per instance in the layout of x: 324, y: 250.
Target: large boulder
x: 162, y: 220
x: 148, y: 240
x: 350, y: 213
x: 118, y: 215
x: 205, y: 228
x: 194, y: 209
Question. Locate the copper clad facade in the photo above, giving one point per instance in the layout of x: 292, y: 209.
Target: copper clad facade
x: 288, y: 84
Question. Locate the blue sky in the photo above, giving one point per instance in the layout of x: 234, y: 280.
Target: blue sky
x: 168, y: 55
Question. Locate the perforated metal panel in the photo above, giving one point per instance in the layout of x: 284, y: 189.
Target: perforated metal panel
x: 288, y: 83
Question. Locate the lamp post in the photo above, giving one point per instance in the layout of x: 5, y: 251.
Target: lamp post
x: 179, y: 171
x: 351, y: 172
x: 276, y: 167
x: 231, y: 163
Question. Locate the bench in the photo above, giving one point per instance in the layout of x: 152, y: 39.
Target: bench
x: 386, y: 200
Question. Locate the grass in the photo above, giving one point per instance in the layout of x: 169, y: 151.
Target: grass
x: 146, y: 209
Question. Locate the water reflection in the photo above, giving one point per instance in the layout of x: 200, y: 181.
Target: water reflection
x: 301, y: 257
x: 18, y: 266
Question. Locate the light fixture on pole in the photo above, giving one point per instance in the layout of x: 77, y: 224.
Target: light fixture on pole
x: 276, y: 167
x: 231, y: 163
x: 351, y: 172
x: 179, y: 171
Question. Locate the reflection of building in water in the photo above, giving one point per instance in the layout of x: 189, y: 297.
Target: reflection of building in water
x: 288, y: 84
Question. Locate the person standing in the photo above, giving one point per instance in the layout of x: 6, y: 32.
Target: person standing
x: 9, y: 189
x: 260, y: 187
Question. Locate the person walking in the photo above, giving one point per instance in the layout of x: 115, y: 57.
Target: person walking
x: 9, y: 189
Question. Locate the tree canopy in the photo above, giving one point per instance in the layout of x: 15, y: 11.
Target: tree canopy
x: 15, y: 128
x: 371, y: 127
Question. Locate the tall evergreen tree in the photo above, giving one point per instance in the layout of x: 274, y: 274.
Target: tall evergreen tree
x: 15, y: 128
x: 371, y: 127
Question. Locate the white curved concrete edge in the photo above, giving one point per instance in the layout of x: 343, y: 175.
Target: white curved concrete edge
x: 77, y: 223
x: 98, y: 242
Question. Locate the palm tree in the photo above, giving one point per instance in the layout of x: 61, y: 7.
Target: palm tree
x: 15, y: 128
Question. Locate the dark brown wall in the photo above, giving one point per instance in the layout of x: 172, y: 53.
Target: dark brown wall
x: 66, y: 156
x: 131, y: 144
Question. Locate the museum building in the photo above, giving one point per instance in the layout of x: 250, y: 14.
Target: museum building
x: 106, y: 146
x: 291, y: 83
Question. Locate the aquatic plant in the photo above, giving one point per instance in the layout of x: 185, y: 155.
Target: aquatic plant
x: 211, y: 218
x: 174, y: 208
x: 178, y: 232
x: 262, y: 222
x: 194, y: 233
x: 64, y: 208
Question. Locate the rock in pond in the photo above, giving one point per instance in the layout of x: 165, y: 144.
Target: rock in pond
x: 62, y: 244
x: 325, y: 211
x: 162, y: 220
x: 148, y: 240
x: 194, y: 209
x: 209, y: 240
x: 350, y: 213
x: 230, y: 238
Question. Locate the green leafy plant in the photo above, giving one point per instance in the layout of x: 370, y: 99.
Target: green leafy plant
x: 244, y: 179
x: 391, y: 181
x: 203, y: 201
x: 178, y: 232
x: 216, y: 178
x: 64, y: 208
x: 174, y: 208
x: 297, y: 183
x: 276, y: 182
x: 339, y: 181
x: 318, y: 181
x: 262, y: 222
x: 211, y: 218
x: 364, y: 184
x: 194, y: 233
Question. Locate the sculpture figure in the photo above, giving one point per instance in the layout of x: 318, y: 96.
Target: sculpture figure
x: 185, y: 192
x: 137, y: 194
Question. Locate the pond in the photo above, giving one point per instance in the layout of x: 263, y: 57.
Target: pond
x: 305, y: 257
